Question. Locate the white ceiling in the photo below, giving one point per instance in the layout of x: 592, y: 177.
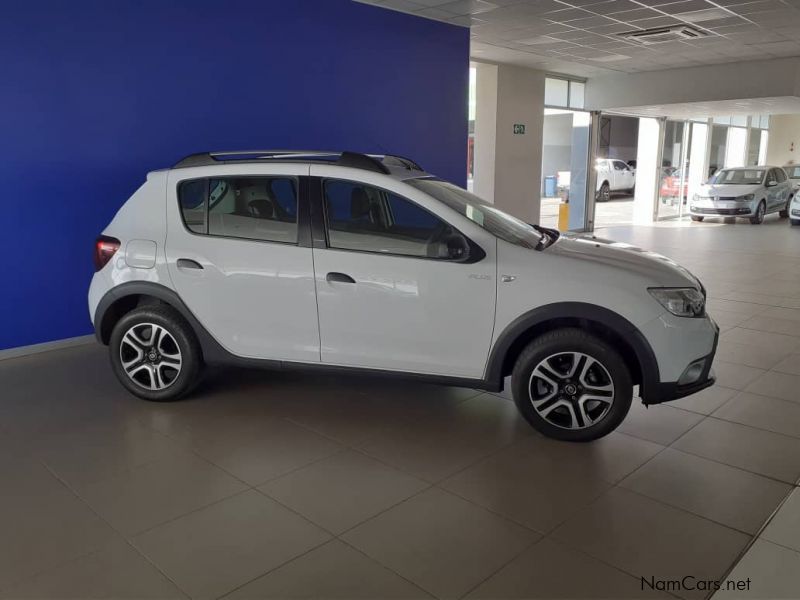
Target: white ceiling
x: 579, y: 37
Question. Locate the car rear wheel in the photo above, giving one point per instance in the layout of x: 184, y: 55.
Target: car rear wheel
x: 571, y: 385
x: 604, y: 193
x: 698, y: 219
x: 761, y: 211
x: 155, y: 354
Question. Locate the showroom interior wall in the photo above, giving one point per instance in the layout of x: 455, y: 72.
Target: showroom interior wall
x: 773, y: 78
x: 783, y: 144
x: 95, y: 94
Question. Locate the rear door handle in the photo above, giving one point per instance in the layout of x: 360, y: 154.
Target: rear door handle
x: 188, y: 263
x: 339, y: 278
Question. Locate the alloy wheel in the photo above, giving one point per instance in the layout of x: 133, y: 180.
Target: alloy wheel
x: 571, y: 390
x: 150, y: 356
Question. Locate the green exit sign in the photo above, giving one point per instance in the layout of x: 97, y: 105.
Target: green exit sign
x: 519, y: 129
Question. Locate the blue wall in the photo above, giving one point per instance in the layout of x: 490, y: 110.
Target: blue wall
x: 93, y: 94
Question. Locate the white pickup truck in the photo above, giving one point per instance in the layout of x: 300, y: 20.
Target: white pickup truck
x: 613, y: 176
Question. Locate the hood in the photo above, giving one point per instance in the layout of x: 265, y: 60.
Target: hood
x: 728, y: 190
x: 658, y: 269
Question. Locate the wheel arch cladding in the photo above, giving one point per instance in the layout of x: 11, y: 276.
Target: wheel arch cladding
x: 606, y: 324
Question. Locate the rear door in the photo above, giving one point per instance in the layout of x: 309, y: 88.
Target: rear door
x: 390, y: 295
x: 239, y: 255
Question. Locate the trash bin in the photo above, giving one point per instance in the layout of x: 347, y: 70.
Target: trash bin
x: 550, y: 186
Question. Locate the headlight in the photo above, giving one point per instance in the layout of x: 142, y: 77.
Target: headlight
x: 746, y: 197
x: 681, y: 302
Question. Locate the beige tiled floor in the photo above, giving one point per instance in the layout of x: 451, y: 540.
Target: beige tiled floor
x: 285, y: 485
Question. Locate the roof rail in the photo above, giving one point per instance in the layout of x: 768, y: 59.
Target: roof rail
x: 378, y: 163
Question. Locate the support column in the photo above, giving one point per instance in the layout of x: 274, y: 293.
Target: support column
x: 508, y: 162
x: 648, y: 167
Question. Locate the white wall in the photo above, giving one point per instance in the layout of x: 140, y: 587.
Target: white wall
x: 784, y: 131
x: 733, y: 81
x: 556, y: 144
x: 508, y: 166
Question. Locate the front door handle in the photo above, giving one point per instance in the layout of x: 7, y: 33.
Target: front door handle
x: 188, y: 263
x: 339, y: 277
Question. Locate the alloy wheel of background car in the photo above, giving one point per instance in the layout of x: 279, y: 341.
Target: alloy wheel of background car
x: 571, y: 390
x: 761, y: 211
x: 784, y: 213
x: 150, y: 356
x: 604, y: 195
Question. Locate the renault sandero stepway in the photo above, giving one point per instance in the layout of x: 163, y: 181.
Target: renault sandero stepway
x: 366, y: 263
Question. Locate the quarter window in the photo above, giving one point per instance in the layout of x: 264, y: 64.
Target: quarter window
x: 366, y: 218
x: 253, y: 208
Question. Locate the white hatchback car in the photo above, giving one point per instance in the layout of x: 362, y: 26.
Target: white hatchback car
x: 367, y: 263
x: 751, y: 192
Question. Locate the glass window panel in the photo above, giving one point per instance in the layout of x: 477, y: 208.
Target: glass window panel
x: 576, y: 94
x: 555, y: 91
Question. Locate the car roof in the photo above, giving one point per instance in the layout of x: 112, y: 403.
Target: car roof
x: 398, y: 167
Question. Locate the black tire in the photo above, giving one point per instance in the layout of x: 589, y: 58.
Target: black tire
x: 169, y: 377
x: 554, y: 349
x: 795, y: 222
x: 784, y: 214
x: 698, y: 219
x: 761, y: 212
x: 604, y: 193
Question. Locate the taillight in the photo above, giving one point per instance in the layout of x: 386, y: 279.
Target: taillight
x: 104, y: 248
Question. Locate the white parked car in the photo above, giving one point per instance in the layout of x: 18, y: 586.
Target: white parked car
x: 368, y: 264
x: 751, y: 192
x: 793, y: 172
x: 613, y: 176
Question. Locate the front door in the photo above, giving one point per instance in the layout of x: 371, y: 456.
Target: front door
x: 239, y: 259
x: 390, y: 293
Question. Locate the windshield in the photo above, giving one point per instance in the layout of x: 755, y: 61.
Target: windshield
x: 738, y: 177
x: 792, y: 171
x: 480, y: 212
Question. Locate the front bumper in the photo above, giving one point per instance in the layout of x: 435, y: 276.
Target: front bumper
x: 695, y: 375
x: 722, y: 208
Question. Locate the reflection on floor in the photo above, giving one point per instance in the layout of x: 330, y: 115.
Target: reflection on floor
x: 617, y: 211
x: 277, y: 485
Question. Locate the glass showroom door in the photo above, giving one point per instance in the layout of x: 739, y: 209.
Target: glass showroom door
x: 566, y: 144
x: 673, y: 177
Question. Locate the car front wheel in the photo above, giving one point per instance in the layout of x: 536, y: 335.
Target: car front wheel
x: 571, y: 385
x: 761, y: 211
x: 695, y: 218
x: 155, y: 354
x: 785, y: 212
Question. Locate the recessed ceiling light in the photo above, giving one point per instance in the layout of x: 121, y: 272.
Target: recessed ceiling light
x: 698, y: 16
x: 609, y: 58
x: 539, y: 39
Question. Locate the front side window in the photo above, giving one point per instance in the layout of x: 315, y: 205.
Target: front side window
x: 370, y: 219
x: 620, y: 166
x: 779, y: 174
x: 253, y: 208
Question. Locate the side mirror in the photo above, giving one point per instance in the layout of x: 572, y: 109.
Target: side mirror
x: 772, y: 183
x: 457, y: 247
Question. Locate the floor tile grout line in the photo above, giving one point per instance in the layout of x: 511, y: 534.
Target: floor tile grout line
x: 753, y: 539
x: 123, y: 537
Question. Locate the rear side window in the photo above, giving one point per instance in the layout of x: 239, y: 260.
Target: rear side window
x: 252, y: 208
x: 370, y: 219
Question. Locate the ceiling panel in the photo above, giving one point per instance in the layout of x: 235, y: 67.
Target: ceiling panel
x: 581, y: 37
